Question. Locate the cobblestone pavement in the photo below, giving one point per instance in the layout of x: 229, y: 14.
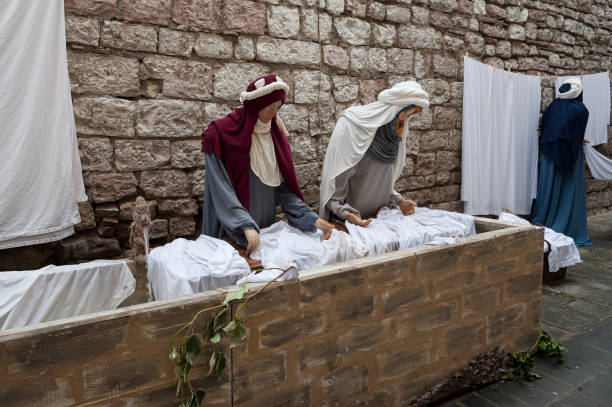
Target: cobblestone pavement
x: 577, y: 313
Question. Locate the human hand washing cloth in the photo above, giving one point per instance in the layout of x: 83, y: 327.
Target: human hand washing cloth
x: 599, y: 165
x: 40, y: 166
x: 596, y: 98
x: 185, y: 267
x: 563, y: 250
x: 55, y: 292
x: 499, y: 139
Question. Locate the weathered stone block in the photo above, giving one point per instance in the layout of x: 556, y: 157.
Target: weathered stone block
x: 398, y: 14
x: 187, y: 154
x: 165, y: 184
x: 103, y: 74
x: 335, y: 57
x: 396, y: 298
x: 126, y: 210
x: 104, y: 116
x: 92, y: 7
x: 370, y: 59
x: 181, y: 78
x: 282, y: 330
x: 87, y: 246
x: 283, y: 21
x: 376, y: 11
x: 295, y: 117
x: 464, y: 340
x: 365, y: 337
x: 400, y: 60
x: 310, y: 23
x: 178, y: 207
x: 147, y: 11
x: 181, y: 227
x: 510, y: 319
x: 112, y: 187
x: 232, y: 79
x: 169, y: 118
x: 311, y: 86
x: 446, y: 66
x: 316, y: 352
x: 383, y: 34
x: 205, y: 14
x: 138, y: 155
x: 445, y: 118
x: 438, y: 90
x: 516, y: 32
x: 369, y: 90
x: 432, y: 140
x: 109, y: 210
x: 174, y: 42
x: 290, y: 52
x: 475, y: 43
x: 213, y: 46
x: 422, y: 121
x: 244, y: 49
x: 133, y: 37
x: 496, y: 31
x: 257, y: 375
x: 357, y: 8
x: 159, y: 229
x: 82, y: 30
x: 345, y: 88
x: 402, y: 362
x: 96, y: 154
x: 353, y: 30
x: 481, y: 300
x: 345, y: 383
x: 245, y: 16
x: 419, y: 37
x: 88, y: 220
x: 447, y: 160
x: 355, y: 307
x: 107, y: 227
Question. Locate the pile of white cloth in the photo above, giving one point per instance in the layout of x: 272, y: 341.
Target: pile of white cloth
x: 56, y: 292
x: 563, y: 251
x: 185, y: 267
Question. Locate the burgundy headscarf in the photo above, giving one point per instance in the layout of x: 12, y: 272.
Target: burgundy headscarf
x: 229, y: 138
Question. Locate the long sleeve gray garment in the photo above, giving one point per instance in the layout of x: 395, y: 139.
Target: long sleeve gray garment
x: 224, y: 215
x: 364, y: 189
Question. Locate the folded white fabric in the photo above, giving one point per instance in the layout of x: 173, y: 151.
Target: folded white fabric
x: 56, y: 292
x: 563, y: 250
x: 599, y: 164
x: 185, y: 267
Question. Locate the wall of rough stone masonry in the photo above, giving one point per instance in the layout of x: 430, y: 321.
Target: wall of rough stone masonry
x: 148, y: 75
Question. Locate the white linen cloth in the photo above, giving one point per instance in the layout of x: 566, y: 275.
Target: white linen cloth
x: 500, y: 139
x: 355, y: 130
x: 596, y: 98
x: 185, y: 267
x: 599, y: 164
x: 263, y: 156
x: 563, y: 251
x: 56, y: 292
x: 40, y: 166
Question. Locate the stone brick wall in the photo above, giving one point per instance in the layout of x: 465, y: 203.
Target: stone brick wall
x: 370, y: 332
x: 148, y: 75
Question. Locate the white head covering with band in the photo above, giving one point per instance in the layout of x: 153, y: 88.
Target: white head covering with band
x: 355, y: 130
x: 576, y: 88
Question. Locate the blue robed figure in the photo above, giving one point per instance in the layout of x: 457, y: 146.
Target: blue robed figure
x: 561, y: 197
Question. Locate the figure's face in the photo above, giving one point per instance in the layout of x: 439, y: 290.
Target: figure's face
x: 267, y: 113
x: 414, y: 110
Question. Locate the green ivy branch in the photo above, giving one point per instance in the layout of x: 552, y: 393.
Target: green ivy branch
x: 219, y: 326
x: 521, y: 363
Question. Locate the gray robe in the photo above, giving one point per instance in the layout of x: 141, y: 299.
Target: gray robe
x: 224, y: 215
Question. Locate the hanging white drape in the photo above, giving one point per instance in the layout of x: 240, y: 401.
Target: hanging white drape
x: 599, y: 164
x: 500, y: 139
x: 596, y: 98
x: 40, y: 169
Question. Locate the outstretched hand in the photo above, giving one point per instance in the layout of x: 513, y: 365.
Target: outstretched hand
x: 407, y: 206
x: 326, y: 227
x: 252, y: 238
x: 356, y: 220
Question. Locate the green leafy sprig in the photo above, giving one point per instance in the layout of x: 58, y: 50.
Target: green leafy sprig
x: 521, y: 363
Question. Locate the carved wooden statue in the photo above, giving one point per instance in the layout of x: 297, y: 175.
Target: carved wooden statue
x: 139, y: 231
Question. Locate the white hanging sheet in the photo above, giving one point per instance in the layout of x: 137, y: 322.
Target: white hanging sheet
x: 599, y: 164
x: 500, y: 139
x: 40, y: 167
x: 596, y: 98
x: 185, y: 267
x: 56, y: 292
x: 563, y: 251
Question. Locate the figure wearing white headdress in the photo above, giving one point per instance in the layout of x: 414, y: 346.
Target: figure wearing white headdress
x: 367, y: 154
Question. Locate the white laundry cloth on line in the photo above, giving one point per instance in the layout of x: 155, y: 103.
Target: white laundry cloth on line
x: 500, y: 139
x: 56, y: 292
x: 40, y: 166
x: 596, y: 98
x: 185, y: 267
x: 599, y: 165
x: 563, y: 250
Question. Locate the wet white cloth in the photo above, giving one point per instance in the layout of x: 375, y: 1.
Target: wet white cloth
x: 563, y: 251
x: 56, y: 292
x: 355, y: 130
x: 599, y: 164
x: 185, y: 267
x: 500, y: 139
x: 40, y: 166
x: 392, y: 230
x: 263, y: 156
x: 596, y: 98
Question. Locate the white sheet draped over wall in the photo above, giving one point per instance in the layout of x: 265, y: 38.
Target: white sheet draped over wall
x: 40, y: 169
x: 500, y: 139
x: 596, y: 98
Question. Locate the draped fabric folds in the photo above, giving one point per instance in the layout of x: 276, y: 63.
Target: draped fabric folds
x: 599, y: 164
x: 500, y: 139
x: 40, y: 166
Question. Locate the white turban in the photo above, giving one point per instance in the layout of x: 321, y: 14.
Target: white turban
x: 355, y: 130
x: 576, y: 88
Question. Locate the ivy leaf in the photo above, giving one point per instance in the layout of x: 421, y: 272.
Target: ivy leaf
x: 221, y: 361
x: 213, y: 362
x: 216, y: 338
x: 200, y: 393
x: 236, y: 295
x: 173, y: 354
x: 240, y: 333
x: 210, y: 328
x: 189, y: 358
x: 231, y: 326
x: 220, y: 319
x: 194, y: 345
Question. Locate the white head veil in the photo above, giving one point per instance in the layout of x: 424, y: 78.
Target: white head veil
x: 355, y: 130
x: 575, y: 90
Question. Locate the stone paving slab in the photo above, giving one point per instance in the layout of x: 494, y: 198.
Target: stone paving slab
x: 577, y: 313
